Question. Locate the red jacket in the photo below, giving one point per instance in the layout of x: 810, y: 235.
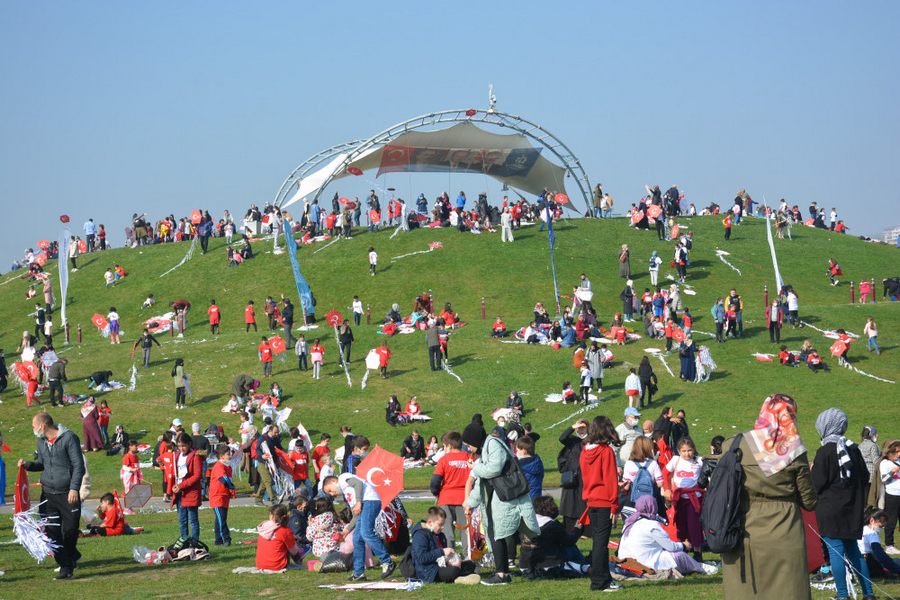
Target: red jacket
x: 600, y: 480
x: 384, y: 355
x: 189, y: 491
x: 249, y: 314
x: 299, y: 465
x: 213, y: 314
x: 219, y: 493
x: 769, y: 315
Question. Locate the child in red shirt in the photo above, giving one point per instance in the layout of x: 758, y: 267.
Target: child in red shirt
x: 265, y: 356
x: 727, y: 223
x: 787, y: 358
x: 221, y: 491
x: 250, y: 316
x: 213, y: 313
x: 669, y: 332
x: 499, y: 328
x: 131, y: 471
x: 319, y: 452
x: 276, y: 541
x: 384, y: 355
x: 113, y: 521
x: 300, y: 465
x: 103, y: 414
x: 448, y: 483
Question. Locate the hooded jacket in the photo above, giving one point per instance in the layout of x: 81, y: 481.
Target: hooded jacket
x: 533, y: 469
x: 427, y: 548
x: 61, y: 463
x: 600, y: 487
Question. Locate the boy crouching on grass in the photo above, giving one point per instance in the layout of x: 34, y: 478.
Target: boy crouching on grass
x: 113, y: 521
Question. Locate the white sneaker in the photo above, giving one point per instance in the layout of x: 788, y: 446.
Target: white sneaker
x: 892, y: 550
x: 613, y: 587
x: 710, y: 569
x: 473, y: 579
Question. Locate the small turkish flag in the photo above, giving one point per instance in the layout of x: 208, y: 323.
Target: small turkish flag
x: 471, y: 112
x: 99, y: 321
x: 277, y: 344
x: 334, y: 317
x: 354, y: 171
x: 23, y: 501
x: 838, y: 348
x: 561, y: 199
x: 383, y: 471
x: 64, y: 218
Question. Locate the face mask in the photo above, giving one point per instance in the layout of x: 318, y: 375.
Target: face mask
x: 581, y: 434
x: 630, y: 421
x: 38, y: 434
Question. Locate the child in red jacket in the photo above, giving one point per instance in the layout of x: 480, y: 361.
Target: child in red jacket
x: 221, y: 491
x: 186, y: 489
x: 299, y: 463
x: 600, y: 490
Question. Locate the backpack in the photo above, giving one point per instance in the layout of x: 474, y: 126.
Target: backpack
x: 642, y: 484
x: 407, y: 566
x: 721, y: 516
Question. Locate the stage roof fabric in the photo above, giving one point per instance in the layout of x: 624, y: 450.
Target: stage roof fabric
x: 462, y: 148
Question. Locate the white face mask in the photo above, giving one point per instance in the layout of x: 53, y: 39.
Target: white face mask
x: 630, y: 421
x: 38, y: 434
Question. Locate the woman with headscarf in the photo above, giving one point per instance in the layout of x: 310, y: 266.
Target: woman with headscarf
x: 770, y: 561
x: 687, y: 352
x: 571, y: 504
x: 625, y: 262
x: 839, y: 477
x: 90, y: 428
x: 644, y: 540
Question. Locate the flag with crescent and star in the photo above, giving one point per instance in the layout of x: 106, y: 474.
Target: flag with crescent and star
x: 382, y: 470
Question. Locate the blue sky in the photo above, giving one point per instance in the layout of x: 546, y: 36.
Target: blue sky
x: 110, y: 108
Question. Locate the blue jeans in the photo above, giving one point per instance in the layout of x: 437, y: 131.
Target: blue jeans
x: 837, y: 550
x: 186, y: 513
x: 598, y: 213
x: 872, y: 344
x: 607, y: 213
x: 364, y: 535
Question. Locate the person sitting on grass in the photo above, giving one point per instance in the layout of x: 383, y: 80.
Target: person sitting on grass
x: 276, y: 544
x: 644, y: 540
x: 880, y: 564
x: 434, y: 560
x: 554, y: 552
x: 113, y: 522
x: 499, y: 328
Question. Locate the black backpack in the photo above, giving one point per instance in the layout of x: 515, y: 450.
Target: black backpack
x: 721, y: 516
x: 407, y: 565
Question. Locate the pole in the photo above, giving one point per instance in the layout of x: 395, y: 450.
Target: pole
x: 79, y: 334
x: 368, y: 314
x: 766, y: 295
x: 483, y: 309
x: 872, y: 288
x: 66, y: 328
x: 852, y: 294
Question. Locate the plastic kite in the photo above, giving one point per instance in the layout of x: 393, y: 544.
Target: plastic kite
x: 561, y: 199
x: 63, y: 218
x: 653, y: 211
x: 99, y: 321
x: 636, y: 217
x: 277, y: 344
x: 43, y: 244
x: 471, y: 112
x: 354, y: 171
x: 373, y: 361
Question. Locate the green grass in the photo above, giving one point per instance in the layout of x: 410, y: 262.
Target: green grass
x: 511, y: 278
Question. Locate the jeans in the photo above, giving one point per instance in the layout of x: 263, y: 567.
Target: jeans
x: 740, y: 322
x: 185, y: 514
x: 598, y: 214
x: 837, y: 550
x: 872, y: 344
x: 302, y: 363
x: 356, y: 317
x: 364, y: 535
x: 601, y: 526
x: 607, y: 213
x: 267, y: 368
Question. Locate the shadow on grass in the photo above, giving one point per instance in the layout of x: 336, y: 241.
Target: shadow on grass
x: 208, y: 398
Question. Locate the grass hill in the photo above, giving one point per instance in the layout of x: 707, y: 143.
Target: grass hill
x: 510, y: 278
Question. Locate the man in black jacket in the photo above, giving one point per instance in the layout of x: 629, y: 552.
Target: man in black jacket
x: 287, y: 313
x: 56, y: 375
x: 61, y: 463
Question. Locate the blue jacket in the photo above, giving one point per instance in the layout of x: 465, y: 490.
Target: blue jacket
x: 460, y: 202
x: 533, y: 468
x: 718, y: 313
x: 568, y: 337
x: 427, y: 548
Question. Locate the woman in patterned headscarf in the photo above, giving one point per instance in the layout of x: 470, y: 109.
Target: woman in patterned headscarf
x: 771, y: 560
x: 840, y: 477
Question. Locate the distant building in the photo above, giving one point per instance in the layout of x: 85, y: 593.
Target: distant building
x: 891, y: 235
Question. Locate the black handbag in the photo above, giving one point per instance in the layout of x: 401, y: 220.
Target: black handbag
x: 568, y: 480
x: 510, y: 484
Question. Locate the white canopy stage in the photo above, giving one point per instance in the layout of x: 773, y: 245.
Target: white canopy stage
x: 463, y: 147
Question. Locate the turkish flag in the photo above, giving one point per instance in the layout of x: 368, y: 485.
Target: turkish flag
x: 383, y: 471
x: 23, y: 502
x: 678, y: 334
x: 43, y: 244
x: 636, y: 217
x: 395, y: 159
x: 334, y: 317
x: 99, y: 321
x: 277, y: 344
x: 653, y: 211
x: 838, y: 348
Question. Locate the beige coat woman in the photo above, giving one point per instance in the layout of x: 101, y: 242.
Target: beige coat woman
x: 772, y: 556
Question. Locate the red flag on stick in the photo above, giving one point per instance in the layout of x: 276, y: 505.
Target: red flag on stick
x: 23, y: 501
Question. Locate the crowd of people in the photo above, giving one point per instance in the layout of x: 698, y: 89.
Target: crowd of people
x: 650, y: 476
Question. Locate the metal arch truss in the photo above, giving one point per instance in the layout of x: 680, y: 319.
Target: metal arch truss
x: 354, y: 149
